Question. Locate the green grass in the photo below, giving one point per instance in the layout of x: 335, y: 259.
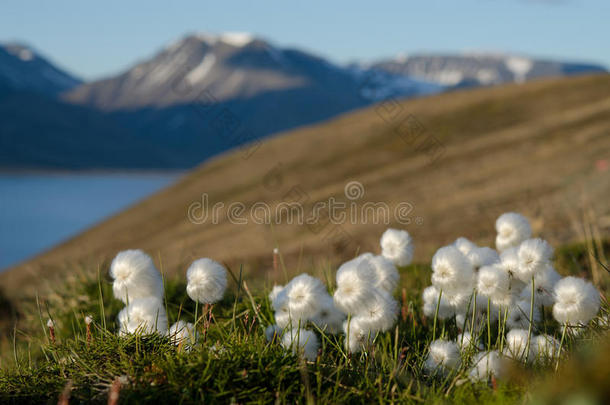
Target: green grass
x: 234, y: 363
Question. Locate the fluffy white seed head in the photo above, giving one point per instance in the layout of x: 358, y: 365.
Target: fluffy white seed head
x: 482, y: 256
x: 509, y: 261
x: 494, y: 283
x: 461, y: 302
x: 358, y: 336
x: 88, y: 320
x: 50, y: 323
x: 328, y: 318
x: 303, y: 296
x: 381, y: 314
x: 145, y: 315
x: 466, y: 341
x: 516, y: 345
x: 430, y: 298
x: 206, y: 281
x: 545, y: 348
x: 487, y: 365
x: 519, y: 315
x: 544, y: 284
x: 355, y: 286
x: 512, y: 229
x: 576, y: 301
x: 183, y: 333
x: 397, y: 246
x: 443, y: 356
x: 451, y: 270
x: 464, y: 245
x: 273, y: 332
x: 302, y: 341
x: 534, y: 257
x: 275, y: 291
x: 386, y: 273
x: 135, y: 276
x: 283, y: 318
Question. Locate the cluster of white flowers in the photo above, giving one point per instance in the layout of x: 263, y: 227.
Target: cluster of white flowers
x: 138, y: 283
x: 477, y: 285
x: 365, y: 288
x: 362, y: 305
x: 302, y: 301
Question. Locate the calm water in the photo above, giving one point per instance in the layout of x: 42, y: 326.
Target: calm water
x: 38, y: 211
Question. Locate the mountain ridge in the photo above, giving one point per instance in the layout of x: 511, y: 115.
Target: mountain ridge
x: 204, y: 94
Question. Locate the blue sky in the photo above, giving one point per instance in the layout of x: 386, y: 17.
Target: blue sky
x: 97, y: 39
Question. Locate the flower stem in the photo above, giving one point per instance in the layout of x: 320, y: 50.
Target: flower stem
x: 438, y: 304
x: 488, y: 323
x: 529, y: 331
x: 563, y: 336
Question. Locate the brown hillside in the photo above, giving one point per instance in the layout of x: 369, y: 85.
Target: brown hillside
x: 541, y: 148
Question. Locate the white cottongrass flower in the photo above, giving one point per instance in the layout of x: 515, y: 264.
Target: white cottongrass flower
x: 461, y: 302
x: 576, y: 301
x: 516, y: 345
x: 88, y: 320
x: 451, y: 270
x: 534, y: 257
x: 386, y: 273
x: 328, y: 318
x: 381, y: 314
x: 397, y: 246
x: 464, y: 245
x: 145, y: 315
x: 519, y: 315
x: 303, y: 296
x: 430, y: 298
x: 509, y: 261
x: 443, y: 357
x: 273, y: 332
x: 355, y: 286
x: 184, y: 333
x: 482, y: 256
x: 487, y: 365
x: 545, y: 347
x: 358, y: 336
x: 303, y: 341
x: 206, y: 281
x: 275, y: 291
x: 544, y: 284
x: 494, y: 283
x: 512, y: 229
x: 283, y: 318
x: 135, y: 276
x: 466, y: 341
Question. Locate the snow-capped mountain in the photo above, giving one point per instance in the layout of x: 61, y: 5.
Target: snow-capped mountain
x: 239, y: 66
x: 479, y: 69
x: 225, y: 67
x: 22, y: 69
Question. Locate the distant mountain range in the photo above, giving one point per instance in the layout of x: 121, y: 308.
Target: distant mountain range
x: 205, y: 94
x: 482, y: 69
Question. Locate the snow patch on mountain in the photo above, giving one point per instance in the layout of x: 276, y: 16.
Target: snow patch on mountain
x: 200, y: 71
x: 519, y: 66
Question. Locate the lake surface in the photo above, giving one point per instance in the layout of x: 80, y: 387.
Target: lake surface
x: 37, y: 211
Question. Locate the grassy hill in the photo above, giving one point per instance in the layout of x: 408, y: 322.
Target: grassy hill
x: 458, y: 159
